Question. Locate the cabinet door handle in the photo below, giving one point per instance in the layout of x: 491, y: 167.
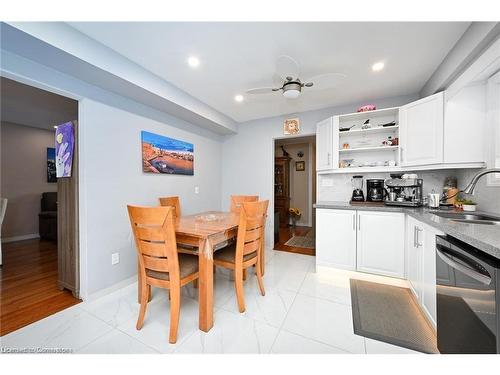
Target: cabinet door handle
x: 329, y: 159
x: 359, y: 222
x: 414, y: 236
x: 419, y: 230
x: 353, y: 221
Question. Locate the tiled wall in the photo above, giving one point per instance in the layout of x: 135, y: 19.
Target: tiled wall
x: 488, y: 198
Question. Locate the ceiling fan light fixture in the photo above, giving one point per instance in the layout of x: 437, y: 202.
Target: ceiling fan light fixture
x: 292, y: 90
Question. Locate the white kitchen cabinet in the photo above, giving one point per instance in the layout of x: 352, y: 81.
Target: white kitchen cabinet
x: 380, y: 243
x: 336, y: 238
x: 421, y: 245
x: 465, y: 125
x: 414, y: 229
x: 429, y: 272
x: 421, y: 129
x: 326, y: 147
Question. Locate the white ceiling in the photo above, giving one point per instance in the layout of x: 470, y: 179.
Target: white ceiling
x: 239, y: 56
x: 30, y: 106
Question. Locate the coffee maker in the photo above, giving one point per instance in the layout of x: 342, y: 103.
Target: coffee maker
x: 403, y: 190
x: 375, y: 190
x: 357, y: 189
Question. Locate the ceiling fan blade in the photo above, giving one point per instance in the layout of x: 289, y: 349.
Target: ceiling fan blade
x: 261, y: 90
x: 325, y: 81
x: 286, y: 67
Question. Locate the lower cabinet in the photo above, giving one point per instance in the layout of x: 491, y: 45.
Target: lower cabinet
x: 381, y: 243
x: 336, y: 238
x: 367, y: 241
x: 421, y: 244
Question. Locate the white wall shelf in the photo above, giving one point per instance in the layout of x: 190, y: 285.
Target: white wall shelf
x: 403, y: 169
x: 375, y: 148
x: 369, y: 114
x: 378, y: 129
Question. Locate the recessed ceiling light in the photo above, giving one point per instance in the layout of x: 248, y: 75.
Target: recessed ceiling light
x: 193, y: 61
x: 238, y: 98
x: 378, y: 66
x: 55, y: 126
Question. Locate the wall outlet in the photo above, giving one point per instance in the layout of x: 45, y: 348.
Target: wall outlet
x: 197, y: 190
x: 115, y: 258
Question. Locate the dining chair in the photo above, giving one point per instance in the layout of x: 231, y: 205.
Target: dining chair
x: 247, y: 250
x: 173, y: 202
x: 237, y: 200
x: 160, y: 264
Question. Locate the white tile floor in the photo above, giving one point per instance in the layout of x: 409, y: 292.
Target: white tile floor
x: 303, y: 312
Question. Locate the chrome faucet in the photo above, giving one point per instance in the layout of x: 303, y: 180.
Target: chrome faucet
x: 472, y: 185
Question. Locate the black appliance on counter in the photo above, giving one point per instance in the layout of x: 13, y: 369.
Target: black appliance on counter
x: 468, y: 300
x: 357, y: 189
x: 375, y: 190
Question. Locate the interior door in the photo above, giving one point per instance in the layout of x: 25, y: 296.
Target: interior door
x: 421, y: 126
x: 324, y: 142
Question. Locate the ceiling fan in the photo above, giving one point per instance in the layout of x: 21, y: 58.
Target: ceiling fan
x: 288, y: 70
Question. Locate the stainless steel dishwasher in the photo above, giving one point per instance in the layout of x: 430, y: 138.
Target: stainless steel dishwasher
x: 468, y: 288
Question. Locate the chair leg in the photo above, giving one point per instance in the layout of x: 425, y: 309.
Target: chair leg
x: 195, y: 283
x: 238, y: 282
x: 175, y: 309
x: 258, y: 271
x: 244, y: 275
x: 144, y: 303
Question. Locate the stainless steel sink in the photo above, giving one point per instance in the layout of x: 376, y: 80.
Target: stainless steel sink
x: 469, y: 218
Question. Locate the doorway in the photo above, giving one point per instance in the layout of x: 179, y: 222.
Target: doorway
x: 294, y: 194
x: 39, y: 231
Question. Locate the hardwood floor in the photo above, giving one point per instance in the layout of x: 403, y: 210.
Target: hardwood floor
x: 287, y: 233
x: 28, y: 284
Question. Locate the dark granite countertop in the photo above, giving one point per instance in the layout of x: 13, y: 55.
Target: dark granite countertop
x: 483, y: 237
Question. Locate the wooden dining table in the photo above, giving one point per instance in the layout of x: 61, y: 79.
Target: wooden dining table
x: 206, y: 231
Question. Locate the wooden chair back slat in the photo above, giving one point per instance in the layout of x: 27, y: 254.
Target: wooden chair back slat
x: 154, y: 233
x: 150, y: 234
x: 251, y: 247
x: 172, y: 202
x: 251, y: 228
x: 238, y: 200
x: 155, y: 264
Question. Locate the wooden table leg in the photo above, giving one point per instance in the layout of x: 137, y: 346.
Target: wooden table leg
x: 206, y: 287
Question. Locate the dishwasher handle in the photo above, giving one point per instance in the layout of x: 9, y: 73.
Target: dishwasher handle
x: 463, y: 266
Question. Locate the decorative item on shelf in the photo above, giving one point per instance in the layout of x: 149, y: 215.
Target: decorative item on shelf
x: 346, y: 129
x: 346, y: 163
x: 291, y: 126
x: 366, y: 125
x: 300, y: 166
x: 392, y: 123
x: 300, y: 154
x: 285, y: 153
x: 345, y: 146
x: 390, y: 141
x: 367, y: 107
x: 295, y: 214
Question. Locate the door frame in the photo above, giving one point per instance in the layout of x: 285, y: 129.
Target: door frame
x: 81, y: 258
x: 309, y: 176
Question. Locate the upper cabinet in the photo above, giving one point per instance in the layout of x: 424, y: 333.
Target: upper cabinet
x: 421, y: 129
x: 326, y: 153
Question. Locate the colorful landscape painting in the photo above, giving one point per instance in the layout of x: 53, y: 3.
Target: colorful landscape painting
x: 166, y: 155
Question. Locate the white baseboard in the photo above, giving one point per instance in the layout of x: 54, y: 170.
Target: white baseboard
x: 109, y: 289
x: 21, y: 238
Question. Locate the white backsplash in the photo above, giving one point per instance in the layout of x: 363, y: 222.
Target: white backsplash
x: 488, y: 198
